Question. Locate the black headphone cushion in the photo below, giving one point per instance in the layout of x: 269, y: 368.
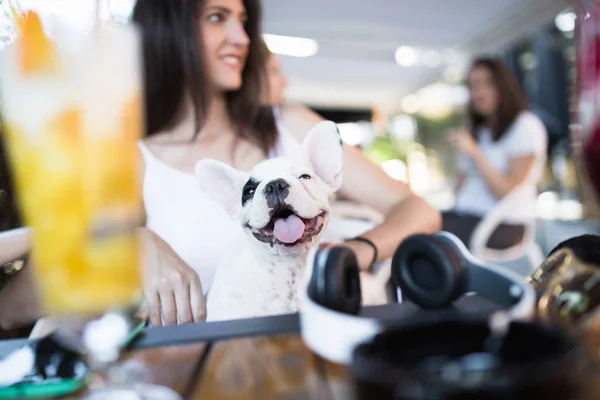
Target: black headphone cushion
x: 335, y: 281
x: 429, y: 271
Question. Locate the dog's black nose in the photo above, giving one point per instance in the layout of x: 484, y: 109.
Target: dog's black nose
x: 276, y: 191
x: 278, y: 185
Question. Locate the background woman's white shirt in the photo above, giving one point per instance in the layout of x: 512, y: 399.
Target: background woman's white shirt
x: 526, y: 136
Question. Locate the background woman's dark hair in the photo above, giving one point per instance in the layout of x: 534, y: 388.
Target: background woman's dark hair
x: 173, y: 66
x: 511, y: 99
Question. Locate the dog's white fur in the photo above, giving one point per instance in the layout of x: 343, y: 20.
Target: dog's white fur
x: 257, y: 278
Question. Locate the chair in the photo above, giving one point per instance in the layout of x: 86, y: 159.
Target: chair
x: 483, y: 231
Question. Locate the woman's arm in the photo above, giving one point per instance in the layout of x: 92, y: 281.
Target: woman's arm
x: 460, y: 181
x: 366, y: 183
x: 172, y: 289
x: 499, y: 183
x: 405, y: 213
x: 19, y: 301
x: 14, y: 244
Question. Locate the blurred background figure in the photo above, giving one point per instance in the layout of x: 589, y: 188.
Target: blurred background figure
x: 276, y: 79
x: 504, y: 149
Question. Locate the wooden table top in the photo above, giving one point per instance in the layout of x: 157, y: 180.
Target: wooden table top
x: 275, y: 367
x: 253, y: 359
x: 261, y: 368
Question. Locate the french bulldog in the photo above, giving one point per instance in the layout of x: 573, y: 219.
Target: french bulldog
x: 282, y: 206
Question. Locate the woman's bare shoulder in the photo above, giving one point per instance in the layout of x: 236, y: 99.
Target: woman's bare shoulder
x: 300, y: 111
x: 157, y: 142
x: 165, y: 147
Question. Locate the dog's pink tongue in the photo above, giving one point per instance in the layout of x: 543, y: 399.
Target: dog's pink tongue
x: 288, y: 230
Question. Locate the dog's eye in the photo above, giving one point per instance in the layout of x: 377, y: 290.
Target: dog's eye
x: 249, y: 190
x: 304, y: 176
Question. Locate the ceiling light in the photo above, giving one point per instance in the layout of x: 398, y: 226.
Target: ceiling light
x: 291, y: 46
x: 405, y: 56
x: 565, y: 21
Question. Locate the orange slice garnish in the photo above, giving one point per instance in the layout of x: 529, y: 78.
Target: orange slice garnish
x: 66, y: 128
x: 37, y: 51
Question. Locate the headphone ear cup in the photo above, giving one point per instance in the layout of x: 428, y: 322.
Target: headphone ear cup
x: 335, y: 281
x: 429, y: 271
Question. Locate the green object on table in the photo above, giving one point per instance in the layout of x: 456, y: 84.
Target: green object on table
x: 42, y: 389
x: 59, y: 387
x: 139, y: 327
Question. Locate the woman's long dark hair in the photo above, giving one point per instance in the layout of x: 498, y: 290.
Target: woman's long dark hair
x: 173, y: 66
x: 511, y: 99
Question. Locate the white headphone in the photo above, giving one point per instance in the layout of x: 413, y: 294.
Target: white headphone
x: 432, y: 271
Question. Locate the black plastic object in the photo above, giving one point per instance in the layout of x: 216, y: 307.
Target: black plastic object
x: 52, y: 362
x: 450, y: 360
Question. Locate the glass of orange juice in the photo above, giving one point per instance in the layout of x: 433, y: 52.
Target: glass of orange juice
x: 71, y: 115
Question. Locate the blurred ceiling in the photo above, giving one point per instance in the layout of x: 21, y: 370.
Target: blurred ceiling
x: 355, y: 65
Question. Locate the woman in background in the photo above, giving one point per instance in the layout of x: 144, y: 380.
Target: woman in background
x: 275, y: 78
x: 504, y: 147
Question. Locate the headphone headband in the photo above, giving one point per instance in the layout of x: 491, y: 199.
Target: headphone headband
x: 498, y: 284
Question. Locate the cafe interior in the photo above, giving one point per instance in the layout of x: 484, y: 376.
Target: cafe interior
x: 278, y: 199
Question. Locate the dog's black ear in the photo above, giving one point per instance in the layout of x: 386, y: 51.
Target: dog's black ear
x: 222, y: 183
x: 585, y: 247
x: 323, y: 148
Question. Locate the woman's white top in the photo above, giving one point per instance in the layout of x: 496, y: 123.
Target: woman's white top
x: 197, y: 228
x: 526, y: 136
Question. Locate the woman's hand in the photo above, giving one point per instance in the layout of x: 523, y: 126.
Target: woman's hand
x: 499, y: 183
x: 171, y: 287
x: 462, y: 141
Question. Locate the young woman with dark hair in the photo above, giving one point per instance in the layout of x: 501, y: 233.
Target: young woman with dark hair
x: 504, y: 147
x: 205, y: 80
